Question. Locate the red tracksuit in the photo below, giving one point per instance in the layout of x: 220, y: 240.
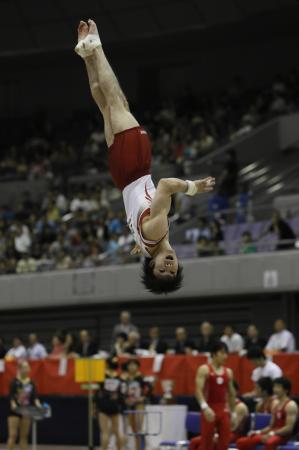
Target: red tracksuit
x: 250, y: 442
x: 216, y: 390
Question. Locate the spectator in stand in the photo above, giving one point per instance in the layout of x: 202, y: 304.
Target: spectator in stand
x: 216, y: 231
x: 133, y: 343
x: 202, y: 230
x: 228, y: 180
x: 282, y: 340
x: 183, y: 345
x: 264, y: 392
x: 125, y: 325
x: 2, y: 348
x: 232, y: 339
x: 57, y: 351
x: 26, y: 264
x: 263, y: 368
x: 243, y: 204
x: 285, y: 235
x: 35, y: 350
x: 247, y: 245
x: 204, y: 247
x: 22, y: 239
x: 119, y: 345
x: 207, y: 338
x: 18, y: 350
x: 253, y: 339
x: 70, y: 346
x: 87, y: 346
x: 154, y: 343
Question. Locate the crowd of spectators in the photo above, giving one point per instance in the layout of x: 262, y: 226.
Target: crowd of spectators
x: 182, y: 130
x: 127, y: 341
x: 208, y: 236
x: 79, y: 229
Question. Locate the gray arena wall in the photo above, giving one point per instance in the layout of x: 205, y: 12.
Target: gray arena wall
x: 232, y: 289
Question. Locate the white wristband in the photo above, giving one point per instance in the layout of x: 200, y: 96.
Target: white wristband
x: 86, y: 46
x: 204, y: 406
x: 192, y: 189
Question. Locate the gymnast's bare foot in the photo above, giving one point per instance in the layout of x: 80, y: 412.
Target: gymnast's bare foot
x: 83, y: 30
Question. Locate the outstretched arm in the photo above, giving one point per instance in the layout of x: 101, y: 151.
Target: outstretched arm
x: 162, y: 202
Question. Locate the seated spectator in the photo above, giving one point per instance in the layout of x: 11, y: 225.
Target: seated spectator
x: 119, y: 345
x: 207, y: 338
x: 247, y: 245
x: 233, y: 340
x: 133, y: 343
x: 57, y: 351
x: 26, y: 264
x: 125, y: 325
x: 282, y: 340
x: 202, y: 230
x: 264, y: 392
x: 2, y: 348
x: 203, y: 247
x: 22, y: 239
x: 282, y: 424
x: 70, y: 346
x: 17, y: 351
x: 183, y: 345
x: 285, y: 235
x: 155, y: 344
x: 36, y: 350
x: 216, y: 231
x: 253, y: 339
x: 215, y: 248
x: 86, y: 347
x: 263, y: 368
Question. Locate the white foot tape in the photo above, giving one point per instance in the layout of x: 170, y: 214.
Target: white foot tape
x: 85, y: 47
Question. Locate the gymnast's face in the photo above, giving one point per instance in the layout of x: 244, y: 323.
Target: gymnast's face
x: 165, y: 264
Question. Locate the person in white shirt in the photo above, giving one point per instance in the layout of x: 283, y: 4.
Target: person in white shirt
x: 35, y: 349
x: 233, y: 340
x: 17, y: 351
x: 282, y: 340
x: 263, y: 368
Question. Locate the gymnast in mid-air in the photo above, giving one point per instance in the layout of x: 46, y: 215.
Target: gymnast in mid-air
x: 129, y: 155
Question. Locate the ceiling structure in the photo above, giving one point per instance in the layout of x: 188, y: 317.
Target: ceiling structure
x: 40, y: 26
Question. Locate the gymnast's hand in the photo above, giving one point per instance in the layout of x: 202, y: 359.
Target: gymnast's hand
x: 205, y: 185
x: 136, y: 250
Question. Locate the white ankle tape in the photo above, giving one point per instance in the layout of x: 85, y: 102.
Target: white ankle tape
x: 192, y: 189
x: 85, y: 47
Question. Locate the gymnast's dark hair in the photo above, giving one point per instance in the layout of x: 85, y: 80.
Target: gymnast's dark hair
x: 284, y: 383
x: 160, y: 285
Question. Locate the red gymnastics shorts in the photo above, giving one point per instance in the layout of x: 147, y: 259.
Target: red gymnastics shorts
x: 130, y: 156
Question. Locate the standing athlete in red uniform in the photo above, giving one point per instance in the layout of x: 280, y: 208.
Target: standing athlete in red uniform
x: 214, y: 391
x: 239, y: 427
x: 130, y: 166
x: 284, y: 416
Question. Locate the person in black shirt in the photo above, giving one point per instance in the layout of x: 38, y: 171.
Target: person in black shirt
x: 206, y: 338
x: 155, y: 344
x: 136, y: 394
x: 22, y: 393
x: 108, y: 404
x: 283, y: 232
x: 86, y: 347
x: 183, y: 345
x: 253, y: 340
